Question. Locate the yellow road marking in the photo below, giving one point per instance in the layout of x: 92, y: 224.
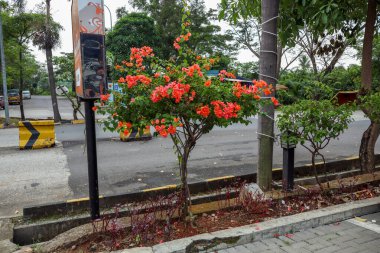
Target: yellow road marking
x: 78, y: 121
x: 352, y: 158
x: 81, y: 199
x: 219, y: 178
x: 171, y: 186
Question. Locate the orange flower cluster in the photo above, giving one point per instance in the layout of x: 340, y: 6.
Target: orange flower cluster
x: 225, y: 110
x: 177, y: 91
x: 137, y: 55
x: 133, y: 80
x: 179, y: 39
x: 223, y: 74
x: 267, y: 89
x: 204, y: 111
x: 190, y: 70
x: 164, y: 130
x: 208, y: 83
x: 126, y: 125
x: 105, y: 97
x: 274, y: 101
x: 238, y: 90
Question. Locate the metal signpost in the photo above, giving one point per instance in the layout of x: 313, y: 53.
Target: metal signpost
x: 90, y: 77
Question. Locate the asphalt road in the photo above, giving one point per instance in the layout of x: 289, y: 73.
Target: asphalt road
x: 128, y: 166
x: 40, y: 107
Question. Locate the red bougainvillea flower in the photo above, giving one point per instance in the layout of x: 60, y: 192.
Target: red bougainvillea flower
x: 137, y: 55
x: 204, y: 111
x: 193, y: 93
x: 225, y: 110
x: 239, y: 89
x: 223, y: 73
x: 121, y: 80
x: 105, y: 97
x: 190, y: 70
x: 177, y: 90
x: 172, y: 129
x: 128, y: 125
x: 164, y: 133
x: 208, y: 83
x: 275, y: 101
x: 95, y: 108
x: 181, y: 39
x: 159, y: 93
x: 167, y: 79
x: 156, y: 75
x: 126, y: 131
x: 176, y: 46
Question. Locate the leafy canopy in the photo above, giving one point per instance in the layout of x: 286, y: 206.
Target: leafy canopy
x: 313, y: 123
x: 132, y: 30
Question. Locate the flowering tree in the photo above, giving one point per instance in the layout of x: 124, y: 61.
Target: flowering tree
x: 179, y: 100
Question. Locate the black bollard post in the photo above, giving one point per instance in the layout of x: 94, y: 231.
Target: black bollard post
x: 288, y: 169
x: 92, y: 159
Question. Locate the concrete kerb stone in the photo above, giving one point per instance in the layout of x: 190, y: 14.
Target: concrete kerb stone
x: 6, y: 229
x: 6, y: 246
x: 223, y: 239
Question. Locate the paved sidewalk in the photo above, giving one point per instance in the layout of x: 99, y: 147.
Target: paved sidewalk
x: 346, y: 237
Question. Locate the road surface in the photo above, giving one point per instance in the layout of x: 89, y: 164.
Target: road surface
x: 40, y: 107
x: 129, y: 166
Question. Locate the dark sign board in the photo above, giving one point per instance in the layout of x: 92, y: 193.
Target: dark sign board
x: 89, y: 50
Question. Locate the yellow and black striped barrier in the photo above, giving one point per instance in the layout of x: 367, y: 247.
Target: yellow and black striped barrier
x: 135, y: 135
x: 36, y: 134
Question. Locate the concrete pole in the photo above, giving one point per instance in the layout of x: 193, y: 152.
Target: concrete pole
x: 4, y: 72
x: 268, y: 73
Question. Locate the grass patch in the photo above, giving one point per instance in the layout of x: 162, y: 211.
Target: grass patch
x: 12, y: 121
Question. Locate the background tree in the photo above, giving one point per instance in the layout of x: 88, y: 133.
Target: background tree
x: 207, y: 37
x: 247, y: 70
x: 20, y: 27
x: 47, y: 38
x: 132, y: 30
x: 65, y: 72
x: 324, y: 18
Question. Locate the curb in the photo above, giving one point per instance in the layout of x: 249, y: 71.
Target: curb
x: 219, y: 240
x: 211, y: 184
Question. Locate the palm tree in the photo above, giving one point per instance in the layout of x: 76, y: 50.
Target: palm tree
x: 47, y: 39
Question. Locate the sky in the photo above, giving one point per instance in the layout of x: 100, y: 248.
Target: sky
x: 61, y: 12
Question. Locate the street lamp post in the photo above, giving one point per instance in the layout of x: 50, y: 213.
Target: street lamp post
x: 109, y: 11
x: 4, y: 72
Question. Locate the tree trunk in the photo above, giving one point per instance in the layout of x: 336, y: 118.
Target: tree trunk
x: 185, y: 187
x: 313, y: 155
x: 49, y: 60
x: 21, y: 85
x: 367, y: 146
x: 366, y: 75
x: 268, y: 73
